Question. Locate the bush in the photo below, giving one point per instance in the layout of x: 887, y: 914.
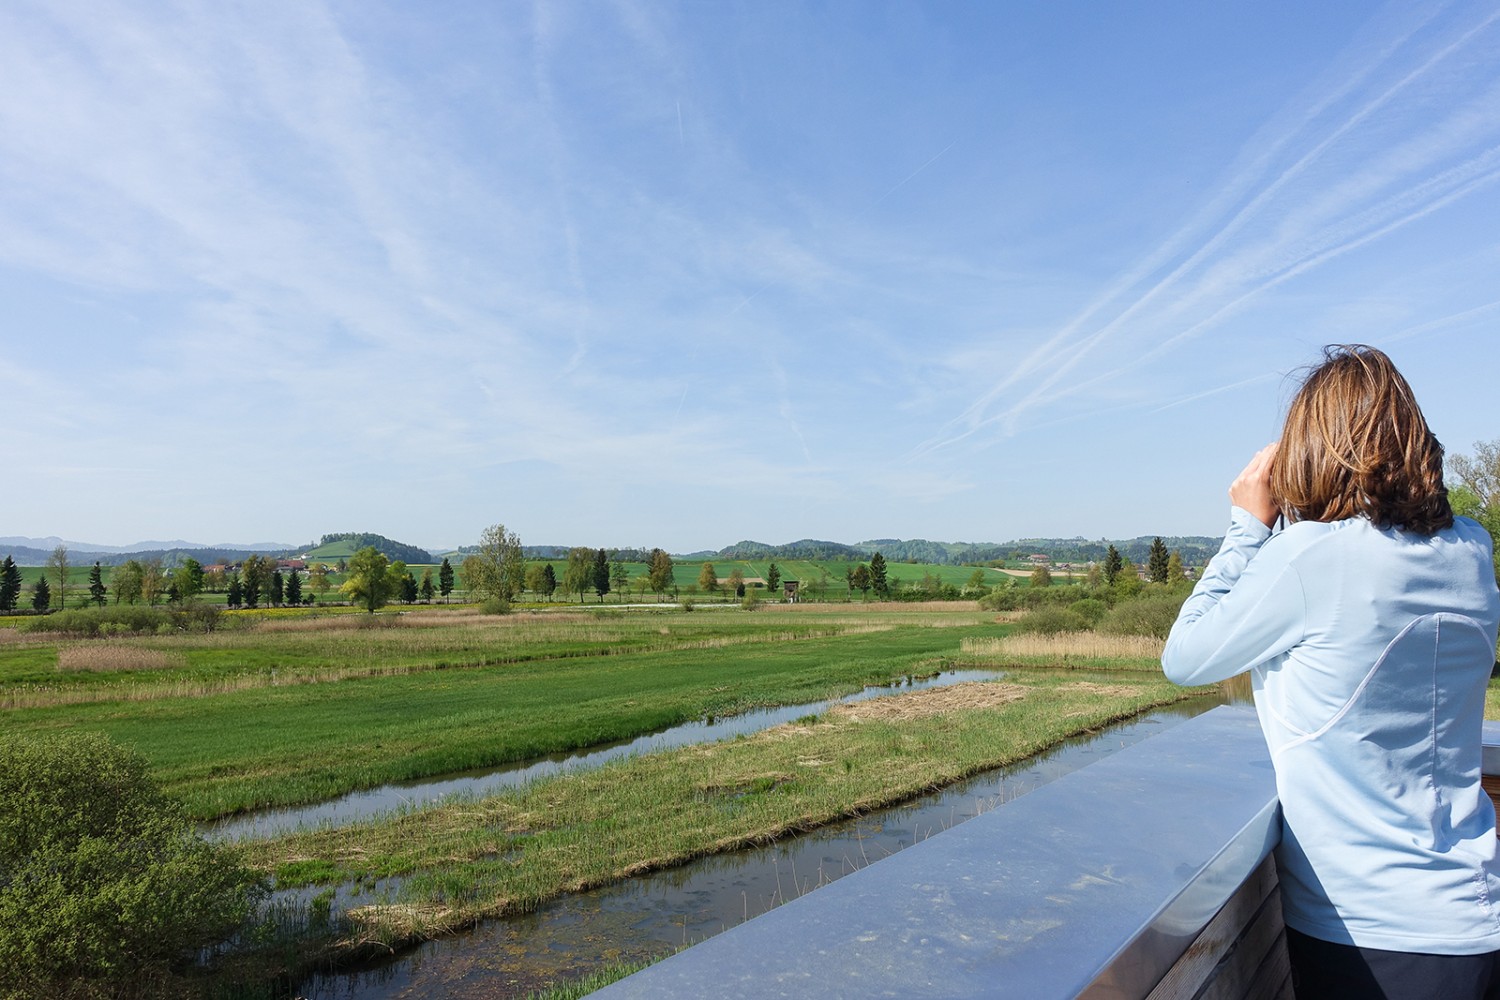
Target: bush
x: 1050, y: 620
x: 494, y: 606
x: 687, y: 604
x: 1003, y: 598
x: 105, y: 889
x: 1151, y: 615
x: 1090, y: 609
x: 122, y: 619
x: 750, y: 601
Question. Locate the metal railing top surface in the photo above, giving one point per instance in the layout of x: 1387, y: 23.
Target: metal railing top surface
x: 1091, y: 885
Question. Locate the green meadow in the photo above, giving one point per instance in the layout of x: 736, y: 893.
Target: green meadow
x: 280, y: 707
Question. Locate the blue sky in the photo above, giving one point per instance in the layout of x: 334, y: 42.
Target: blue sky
x: 619, y: 273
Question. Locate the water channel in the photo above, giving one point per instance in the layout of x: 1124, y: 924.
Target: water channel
x: 653, y: 915
x: 390, y: 798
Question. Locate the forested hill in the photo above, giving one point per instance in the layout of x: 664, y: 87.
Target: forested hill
x: 1196, y: 550
x: 345, y: 543
x: 28, y: 556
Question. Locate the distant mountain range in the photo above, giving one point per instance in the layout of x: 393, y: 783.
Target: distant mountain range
x: 1196, y: 550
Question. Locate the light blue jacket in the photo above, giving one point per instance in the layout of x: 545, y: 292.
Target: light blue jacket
x: 1369, y: 652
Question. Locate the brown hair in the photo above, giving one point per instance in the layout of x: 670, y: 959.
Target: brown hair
x: 1356, y: 443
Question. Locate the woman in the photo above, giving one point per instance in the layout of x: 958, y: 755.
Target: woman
x: 1368, y: 626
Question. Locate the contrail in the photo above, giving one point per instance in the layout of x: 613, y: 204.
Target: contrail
x: 916, y: 172
x: 1065, y: 356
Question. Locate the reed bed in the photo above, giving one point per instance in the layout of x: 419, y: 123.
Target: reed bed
x: 112, y: 657
x: 1066, y: 646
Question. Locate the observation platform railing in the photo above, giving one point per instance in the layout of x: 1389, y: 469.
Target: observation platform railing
x: 1145, y: 875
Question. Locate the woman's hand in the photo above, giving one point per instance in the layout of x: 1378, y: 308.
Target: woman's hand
x: 1251, y: 489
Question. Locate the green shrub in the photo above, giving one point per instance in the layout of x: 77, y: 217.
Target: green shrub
x: 105, y: 890
x: 1151, y: 614
x: 494, y: 606
x: 1050, y: 620
x: 1003, y: 598
x: 121, y: 619
x: 1090, y: 609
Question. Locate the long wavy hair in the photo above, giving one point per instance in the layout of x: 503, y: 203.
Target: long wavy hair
x: 1356, y: 444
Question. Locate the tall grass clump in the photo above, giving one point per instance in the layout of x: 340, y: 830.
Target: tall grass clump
x: 105, y: 889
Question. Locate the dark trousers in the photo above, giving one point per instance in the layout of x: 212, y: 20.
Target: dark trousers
x: 1322, y: 970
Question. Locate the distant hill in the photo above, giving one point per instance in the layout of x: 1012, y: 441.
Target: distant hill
x: 343, y: 544
x: 1196, y: 550
x: 36, y: 551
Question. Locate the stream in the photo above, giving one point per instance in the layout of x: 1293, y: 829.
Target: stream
x: 653, y: 915
x: 363, y: 805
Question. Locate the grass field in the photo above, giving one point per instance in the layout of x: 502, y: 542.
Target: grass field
x: 295, y: 710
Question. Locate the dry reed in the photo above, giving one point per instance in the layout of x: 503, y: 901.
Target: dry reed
x: 111, y: 657
x: 1068, y: 645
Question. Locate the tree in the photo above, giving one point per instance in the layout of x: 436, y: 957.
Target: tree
x: 773, y: 578
x: 41, y: 595
x: 534, y: 580
x: 10, y: 584
x: 153, y: 580
x: 97, y: 589
x: 128, y: 578
x: 106, y: 888
x: 619, y: 576
x: 427, y: 589
x: 976, y: 581
x: 1127, y: 581
x: 409, y: 588
x: 496, y: 572
x: 250, y: 582
x: 1041, y: 576
x: 1113, y: 563
x: 369, y: 584
x: 1156, y: 563
x: 878, y: 580
x: 737, y: 582
x: 445, y: 579
x: 660, y: 572
x: 234, y: 598
x: 859, y: 579
x: 549, y: 581
x: 57, y: 566
x: 600, y: 574
x: 317, y: 578
x: 578, y: 574
x: 1477, y: 492
x: 1175, y: 573
x: 708, y: 579
x: 278, y: 588
x: 294, y: 587
x: 189, y: 578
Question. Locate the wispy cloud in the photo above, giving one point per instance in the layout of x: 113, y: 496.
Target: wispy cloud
x: 1346, y: 186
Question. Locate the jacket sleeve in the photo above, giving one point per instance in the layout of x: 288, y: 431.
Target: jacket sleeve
x: 1247, y: 608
